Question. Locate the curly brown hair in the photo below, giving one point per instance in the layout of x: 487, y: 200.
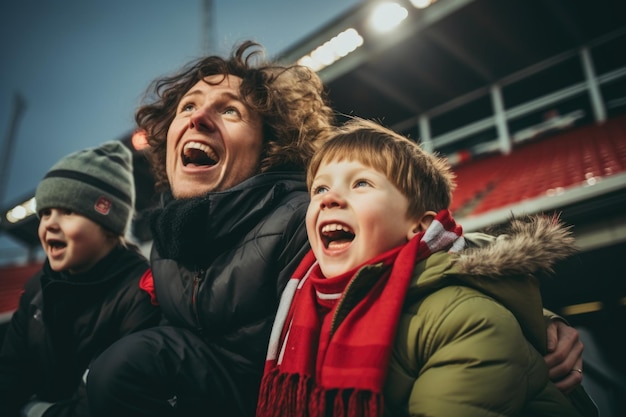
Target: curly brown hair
x: 290, y: 100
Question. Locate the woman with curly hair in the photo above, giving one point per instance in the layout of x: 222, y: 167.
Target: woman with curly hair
x: 229, y: 142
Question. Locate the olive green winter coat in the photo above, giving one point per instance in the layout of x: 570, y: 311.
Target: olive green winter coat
x: 472, y: 336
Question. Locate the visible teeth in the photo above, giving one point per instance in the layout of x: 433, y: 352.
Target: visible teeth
x: 201, y: 147
x: 336, y: 235
x: 199, y: 153
x: 333, y: 227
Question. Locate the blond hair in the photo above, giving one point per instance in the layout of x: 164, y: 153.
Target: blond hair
x: 425, y: 179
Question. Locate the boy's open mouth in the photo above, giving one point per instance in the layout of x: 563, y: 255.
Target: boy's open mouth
x: 335, y: 235
x: 56, y: 244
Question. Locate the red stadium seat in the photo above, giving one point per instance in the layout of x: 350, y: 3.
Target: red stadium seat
x: 536, y: 169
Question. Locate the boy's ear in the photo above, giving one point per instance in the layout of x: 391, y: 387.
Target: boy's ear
x: 421, y: 224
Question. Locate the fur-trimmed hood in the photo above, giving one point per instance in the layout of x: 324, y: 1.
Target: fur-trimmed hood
x: 529, y: 245
x: 506, y: 266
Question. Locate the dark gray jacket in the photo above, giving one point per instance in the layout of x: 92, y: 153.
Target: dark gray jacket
x: 62, y: 323
x: 220, y: 263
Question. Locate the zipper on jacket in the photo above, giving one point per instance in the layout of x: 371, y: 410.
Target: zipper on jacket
x: 197, y: 280
x: 334, y: 324
x: 357, y: 277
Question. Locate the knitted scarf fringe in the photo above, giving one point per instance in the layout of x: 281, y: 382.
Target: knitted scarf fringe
x: 291, y: 395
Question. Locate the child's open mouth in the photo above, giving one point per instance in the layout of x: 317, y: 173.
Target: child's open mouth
x: 56, y: 246
x: 336, y: 235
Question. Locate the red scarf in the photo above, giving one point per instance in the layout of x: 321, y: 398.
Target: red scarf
x: 315, y: 370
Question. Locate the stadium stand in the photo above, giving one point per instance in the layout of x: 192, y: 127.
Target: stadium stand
x: 576, y: 158
x: 527, y: 99
x: 12, y: 280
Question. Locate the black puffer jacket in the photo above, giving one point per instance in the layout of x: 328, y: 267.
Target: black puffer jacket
x: 56, y: 332
x: 221, y: 261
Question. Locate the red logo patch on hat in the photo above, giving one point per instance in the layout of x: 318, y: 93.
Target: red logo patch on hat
x: 103, y: 205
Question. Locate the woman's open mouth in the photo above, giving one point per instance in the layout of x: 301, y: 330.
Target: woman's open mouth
x: 199, y: 154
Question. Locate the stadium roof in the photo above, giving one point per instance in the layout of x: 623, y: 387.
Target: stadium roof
x: 454, y: 50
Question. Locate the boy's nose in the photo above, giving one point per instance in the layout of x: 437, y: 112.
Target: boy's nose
x: 332, y: 199
x: 50, y: 220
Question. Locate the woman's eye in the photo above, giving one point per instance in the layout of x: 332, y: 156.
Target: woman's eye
x: 187, y: 107
x: 232, y: 111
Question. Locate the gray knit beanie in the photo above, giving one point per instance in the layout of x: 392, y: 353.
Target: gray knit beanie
x: 96, y: 183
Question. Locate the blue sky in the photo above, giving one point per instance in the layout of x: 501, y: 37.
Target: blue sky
x: 82, y: 66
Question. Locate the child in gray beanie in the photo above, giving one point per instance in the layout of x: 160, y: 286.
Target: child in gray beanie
x: 94, y: 287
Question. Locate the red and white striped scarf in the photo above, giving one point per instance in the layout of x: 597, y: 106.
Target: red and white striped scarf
x: 312, y: 370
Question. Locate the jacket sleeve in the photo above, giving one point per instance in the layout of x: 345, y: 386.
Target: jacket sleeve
x: 15, y: 386
x: 16, y: 391
x: 76, y: 406
x: 473, y: 359
x: 139, y: 311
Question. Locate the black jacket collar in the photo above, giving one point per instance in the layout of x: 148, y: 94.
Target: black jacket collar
x: 189, y: 230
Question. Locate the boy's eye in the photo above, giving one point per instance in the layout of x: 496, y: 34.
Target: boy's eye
x: 320, y: 189
x: 361, y: 183
x: 44, y: 212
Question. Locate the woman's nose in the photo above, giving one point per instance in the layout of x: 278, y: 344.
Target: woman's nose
x: 201, y: 119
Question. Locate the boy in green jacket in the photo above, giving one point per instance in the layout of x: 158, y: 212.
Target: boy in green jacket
x: 392, y: 312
